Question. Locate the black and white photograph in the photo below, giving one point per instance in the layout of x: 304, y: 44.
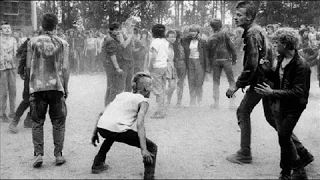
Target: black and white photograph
x: 170, y: 89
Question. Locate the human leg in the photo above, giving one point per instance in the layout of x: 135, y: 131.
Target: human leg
x: 217, y: 69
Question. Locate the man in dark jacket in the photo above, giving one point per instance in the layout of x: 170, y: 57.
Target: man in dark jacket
x: 290, y: 97
x: 22, y: 71
x: 256, y: 62
x: 220, y: 48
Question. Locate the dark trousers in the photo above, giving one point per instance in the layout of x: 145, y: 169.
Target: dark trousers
x: 217, y: 68
x: 285, y: 123
x: 129, y: 137
x: 249, y: 101
x: 195, y: 80
x: 128, y: 69
x: 39, y: 103
x: 181, y: 73
x: 113, y: 85
x: 25, y: 100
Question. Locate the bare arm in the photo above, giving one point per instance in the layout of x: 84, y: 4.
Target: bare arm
x: 127, y: 41
x: 143, y: 108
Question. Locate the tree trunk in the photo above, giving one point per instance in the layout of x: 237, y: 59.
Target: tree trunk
x: 182, y: 13
x: 193, y: 12
x: 222, y: 11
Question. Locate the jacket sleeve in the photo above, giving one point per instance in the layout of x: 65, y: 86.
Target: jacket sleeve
x: 22, y: 54
x: 251, y: 62
x: 299, y: 85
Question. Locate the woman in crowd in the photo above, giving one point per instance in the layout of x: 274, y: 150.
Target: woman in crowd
x: 171, y: 73
x: 194, y: 48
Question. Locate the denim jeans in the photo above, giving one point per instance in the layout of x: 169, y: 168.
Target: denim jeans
x: 7, y: 86
x: 181, y: 73
x: 25, y: 99
x: 129, y: 137
x: 217, y: 67
x: 158, y: 86
x: 115, y: 84
x: 249, y: 101
x: 285, y: 123
x: 39, y: 103
x: 195, y: 80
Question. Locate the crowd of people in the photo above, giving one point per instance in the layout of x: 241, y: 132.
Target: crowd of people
x: 275, y: 67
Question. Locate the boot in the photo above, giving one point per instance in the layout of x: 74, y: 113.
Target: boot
x: 299, y: 172
x: 285, y: 174
x: 305, y: 157
x: 28, y: 121
x: 4, y: 118
x: 240, y: 158
x: 149, y: 169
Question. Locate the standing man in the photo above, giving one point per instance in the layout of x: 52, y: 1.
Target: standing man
x: 256, y: 62
x: 220, y: 48
x: 49, y: 76
x: 8, y: 48
x: 290, y: 94
x: 113, y: 63
x: 22, y: 71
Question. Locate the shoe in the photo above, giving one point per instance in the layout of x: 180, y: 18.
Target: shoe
x: 285, y: 175
x: 38, y: 161
x: 27, y: 122
x: 12, y: 115
x: 158, y: 115
x: 299, y: 174
x: 233, y: 107
x: 96, y: 169
x: 60, y: 160
x: 240, y: 158
x: 306, y: 158
x: 214, y: 106
x: 13, y: 128
x: 5, y: 118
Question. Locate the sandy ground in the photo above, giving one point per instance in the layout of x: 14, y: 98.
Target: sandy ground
x: 193, y: 142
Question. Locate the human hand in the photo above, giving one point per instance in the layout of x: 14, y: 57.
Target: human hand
x: 94, y: 139
x: 147, y: 157
x: 263, y: 89
x: 120, y: 71
x: 22, y: 76
x: 66, y: 94
x: 234, y: 62
x: 230, y: 92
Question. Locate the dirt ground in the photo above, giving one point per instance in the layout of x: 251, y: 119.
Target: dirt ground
x: 193, y: 142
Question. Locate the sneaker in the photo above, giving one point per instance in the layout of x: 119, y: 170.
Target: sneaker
x: 240, y: 158
x: 13, y: 128
x: 11, y: 115
x: 60, y: 160
x: 38, y: 161
x: 285, y: 175
x: 5, y: 118
x: 306, y: 158
x: 96, y: 169
x: 214, y: 106
x: 27, y: 122
x: 299, y: 174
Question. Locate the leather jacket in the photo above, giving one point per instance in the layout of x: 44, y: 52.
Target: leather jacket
x: 293, y: 90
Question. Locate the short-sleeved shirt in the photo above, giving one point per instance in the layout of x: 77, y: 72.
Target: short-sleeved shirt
x: 8, y: 48
x: 47, y: 57
x: 121, y: 113
x: 161, y: 45
x: 111, y: 46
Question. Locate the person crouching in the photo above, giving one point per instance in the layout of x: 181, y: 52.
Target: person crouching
x: 114, y: 124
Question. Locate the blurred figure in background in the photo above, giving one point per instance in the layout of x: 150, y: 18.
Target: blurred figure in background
x: 171, y: 74
x: 180, y: 65
x: 8, y: 48
x: 220, y: 48
x: 194, y: 48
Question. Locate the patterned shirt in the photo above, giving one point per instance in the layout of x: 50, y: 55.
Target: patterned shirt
x: 8, y: 48
x: 48, y: 56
